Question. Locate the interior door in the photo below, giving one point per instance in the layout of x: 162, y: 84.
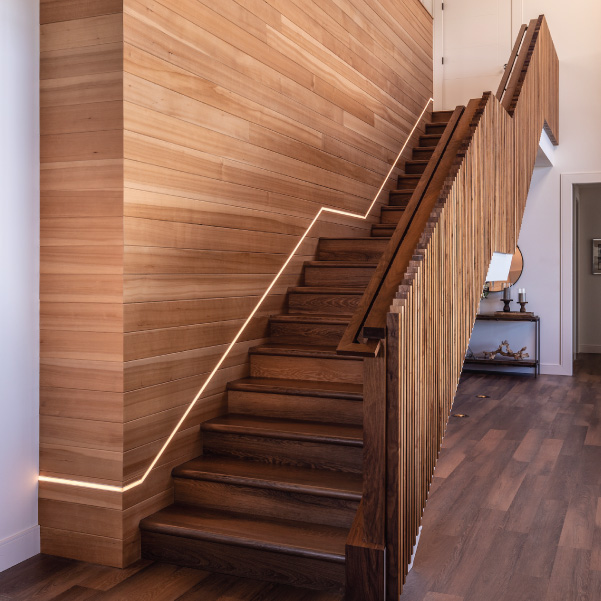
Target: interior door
x: 477, y: 42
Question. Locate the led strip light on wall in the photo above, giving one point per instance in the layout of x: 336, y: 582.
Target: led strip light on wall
x: 122, y: 489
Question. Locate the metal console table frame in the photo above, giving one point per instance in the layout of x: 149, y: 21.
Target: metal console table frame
x: 509, y: 316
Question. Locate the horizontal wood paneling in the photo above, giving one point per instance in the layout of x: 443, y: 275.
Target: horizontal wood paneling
x: 52, y: 11
x: 241, y: 119
x: 186, y: 146
x: 81, y: 264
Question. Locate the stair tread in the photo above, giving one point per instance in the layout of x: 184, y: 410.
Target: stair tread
x: 288, y: 429
x: 344, y: 264
x: 301, y: 350
x: 393, y: 208
x: 362, y: 239
x: 325, y: 289
x: 333, y: 320
x: 299, y: 387
x: 418, y: 161
x: 342, y: 485
x: 281, y: 536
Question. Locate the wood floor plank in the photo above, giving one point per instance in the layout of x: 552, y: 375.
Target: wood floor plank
x: 525, y: 444
x: 579, y: 525
x: 166, y: 582
x: 570, y: 577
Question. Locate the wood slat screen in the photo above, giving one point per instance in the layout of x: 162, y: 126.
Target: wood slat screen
x: 479, y: 211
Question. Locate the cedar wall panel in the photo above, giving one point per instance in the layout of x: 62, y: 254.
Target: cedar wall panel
x: 200, y: 140
x: 81, y: 264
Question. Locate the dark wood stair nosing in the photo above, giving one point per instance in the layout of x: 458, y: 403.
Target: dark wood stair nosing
x: 326, y: 290
x: 318, y: 352
x: 326, y: 320
x: 246, y: 386
x: 251, y: 481
x: 272, y: 433
x: 147, y: 525
x: 341, y: 264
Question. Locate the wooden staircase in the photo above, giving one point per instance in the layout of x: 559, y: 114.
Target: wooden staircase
x: 276, y: 490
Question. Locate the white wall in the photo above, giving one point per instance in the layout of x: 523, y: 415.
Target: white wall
x: 19, y: 273
x: 428, y: 4
x: 575, y: 28
x: 476, y: 43
x: 589, y: 285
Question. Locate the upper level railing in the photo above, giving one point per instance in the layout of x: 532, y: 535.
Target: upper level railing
x: 368, y: 323
x: 416, y: 317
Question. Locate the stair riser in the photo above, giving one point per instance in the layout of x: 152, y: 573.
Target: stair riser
x: 414, y: 169
x: 435, y: 128
x: 288, y: 406
x: 306, y: 368
x: 320, y: 455
x: 323, y: 304
x: 243, y: 562
x: 406, y: 183
x: 379, y: 233
x: 337, y: 276
x: 428, y: 141
x: 441, y: 116
x: 421, y: 154
x: 400, y: 200
x: 350, y: 250
x: 265, y: 502
x: 392, y: 217
x: 306, y: 333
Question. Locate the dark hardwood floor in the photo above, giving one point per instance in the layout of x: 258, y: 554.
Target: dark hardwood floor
x: 514, y: 512
x: 515, y: 507
x: 45, y: 578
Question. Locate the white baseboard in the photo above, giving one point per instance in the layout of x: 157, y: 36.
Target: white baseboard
x: 589, y: 348
x: 19, y: 547
x: 555, y: 369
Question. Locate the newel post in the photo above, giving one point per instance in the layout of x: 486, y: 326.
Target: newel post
x: 366, y: 545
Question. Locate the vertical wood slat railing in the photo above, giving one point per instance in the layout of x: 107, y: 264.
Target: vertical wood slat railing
x: 431, y: 290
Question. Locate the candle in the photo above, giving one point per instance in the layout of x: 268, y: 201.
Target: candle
x: 522, y: 295
x: 506, y: 293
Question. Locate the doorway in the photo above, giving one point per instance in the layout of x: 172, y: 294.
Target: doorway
x: 587, y: 268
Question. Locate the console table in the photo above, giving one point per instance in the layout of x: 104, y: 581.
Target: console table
x: 533, y: 363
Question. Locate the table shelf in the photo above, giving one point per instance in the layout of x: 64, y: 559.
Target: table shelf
x: 513, y: 316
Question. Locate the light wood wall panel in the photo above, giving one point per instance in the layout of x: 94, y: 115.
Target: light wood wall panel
x: 200, y: 140
x: 81, y: 264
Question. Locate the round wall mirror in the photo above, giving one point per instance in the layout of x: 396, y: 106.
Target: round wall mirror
x: 515, y: 271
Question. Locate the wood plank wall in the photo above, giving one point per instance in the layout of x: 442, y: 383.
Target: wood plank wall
x: 233, y: 123
x: 81, y: 287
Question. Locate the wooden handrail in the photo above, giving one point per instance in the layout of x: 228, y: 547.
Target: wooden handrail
x: 412, y: 370
x: 388, y: 274
x: 367, y: 325
x: 511, y: 62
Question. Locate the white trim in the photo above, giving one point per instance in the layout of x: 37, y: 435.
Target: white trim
x: 19, y: 547
x: 566, y: 249
x: 553, y: 369
x: 438, y: 70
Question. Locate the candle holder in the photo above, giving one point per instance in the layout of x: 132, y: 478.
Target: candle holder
x: 506, y: 302
x: 523, y: 306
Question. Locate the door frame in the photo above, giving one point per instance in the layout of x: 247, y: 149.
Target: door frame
x: 568, y: 331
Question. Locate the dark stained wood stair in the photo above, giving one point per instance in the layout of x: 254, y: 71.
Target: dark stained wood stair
x: 275, y: 492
